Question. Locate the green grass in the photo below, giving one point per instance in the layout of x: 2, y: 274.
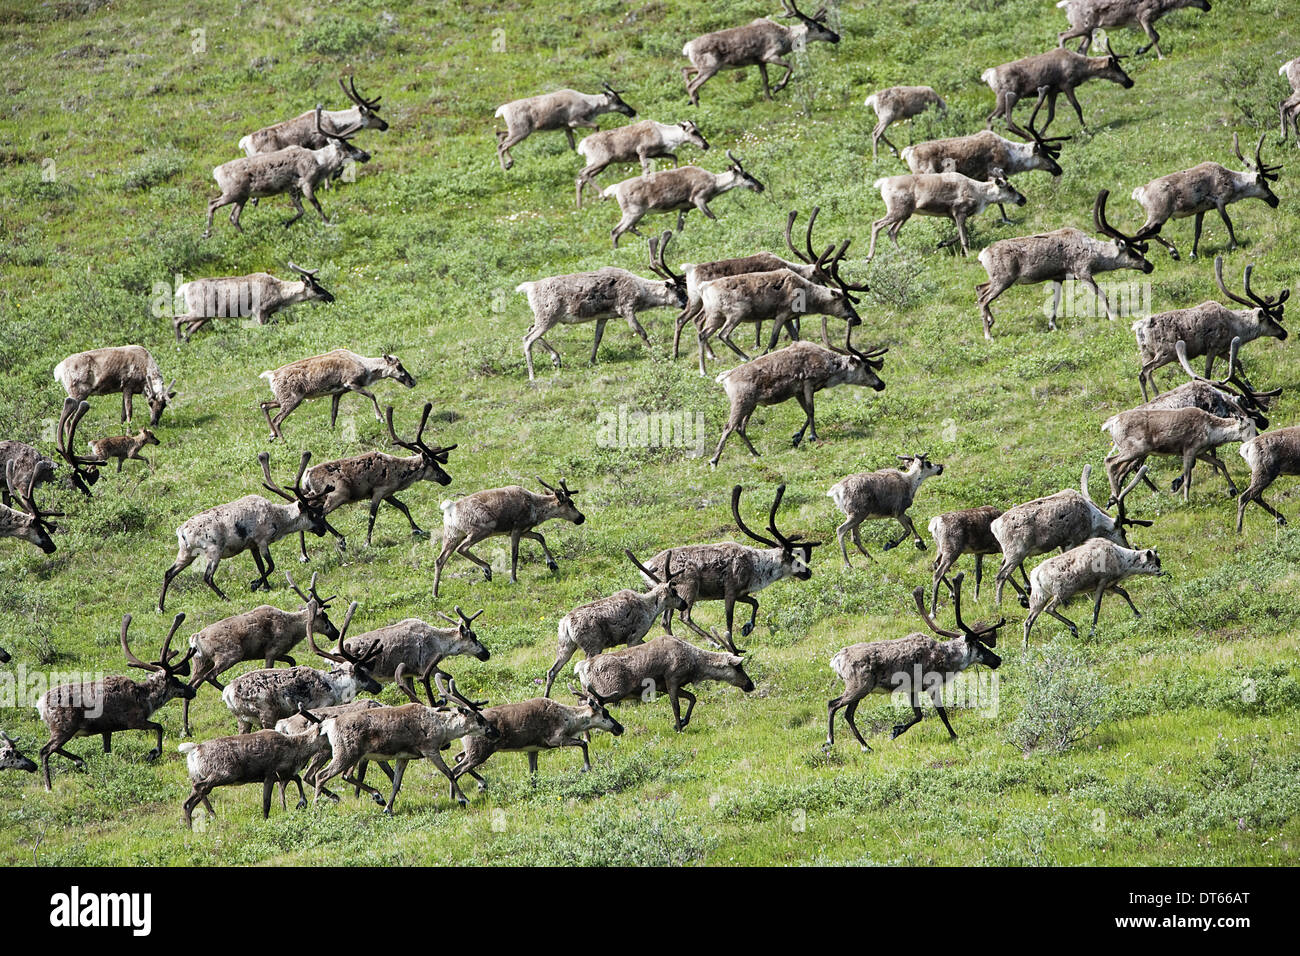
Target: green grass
x: 1196, y: 761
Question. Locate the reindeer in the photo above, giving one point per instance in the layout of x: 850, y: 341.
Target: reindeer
x: 1088, y: 16
x: 899, y: 103
x: 258, y: 296
x: 624, y: 617
x: 1195, y: 191
x: 731, y: 572
x: 1269, y: 456
x: 1064, y: 520
x: 1049, y: 74
x: 302, y: 129
x: 531, y: 726
x: 680, y: 190
x: 886, y: 493
x: 635, y: 143
x: 780, y: 296
x: 1229, y: 397
x: 379, y: 477
x: 264, y: 634
x: 301, y: 723
x: 128, y: 369
x: 266, y: 757
x: 798, y: 371
x: 332, y: 374
x: 419, y: 644
x: 968, y: 531
x: 511, y: 510
x: 32, y: 526
x: 946, y: 195
x: 1056, y: 256
x: 1208, y: 329
x: 263, y: 697
x: 599, y: 296
x: 986, y: 155
x: 1186, y: 433
x: 11, y: 758
x: 813, y: 267
x: 758, y: 43
x: 402, y: 734
x: 916, y: 663
x: 123, y: 447
x: 294, y: 170
x: 30, y: 468
x: 564, y: 109
x: 1097, y: 565
x: 251, y: 523
x: 667, y: 663
x: 114, y: 704
x: 1289, y: 109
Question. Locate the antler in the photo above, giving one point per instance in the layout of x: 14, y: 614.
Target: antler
x: 1264, y: 169
x: 85, y: 470
x: 341, y: 136
x: 735, y: 160
x: 351, y: 93
x: 164, y: 658
x: 642, y: 568
x: 735, y: 513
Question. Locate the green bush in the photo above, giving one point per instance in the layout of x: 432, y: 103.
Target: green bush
x: 1065, y: 702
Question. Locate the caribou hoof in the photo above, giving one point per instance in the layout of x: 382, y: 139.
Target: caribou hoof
x: 487, y: 574
x: 552, y: 566
x: 150, y: 757
x: 920, y: 545
x: 1024, y: 602
x: 890, y: 546
x: 378, y: 799
x: 746, y: 629
x: 302, y: 804
x: 898, y: 729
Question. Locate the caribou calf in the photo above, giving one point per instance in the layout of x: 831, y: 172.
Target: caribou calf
x: 123, y: 447
x: 946, y: 195
x: 511, y: 510
x: 665, y: 664
x: 899, y: 103
x: 564, y: 109
x: 1269, y: 456
x: 887, y: 493
x: 913, y: 664
x: 333, y: 374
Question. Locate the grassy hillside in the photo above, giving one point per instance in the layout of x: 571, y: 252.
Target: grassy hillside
x: 115, y: 114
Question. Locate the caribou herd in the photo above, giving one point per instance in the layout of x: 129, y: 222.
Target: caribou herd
x: 304, y: 723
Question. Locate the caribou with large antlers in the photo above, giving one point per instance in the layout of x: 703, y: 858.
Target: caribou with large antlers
x: 251, y: 523
x: 257, y: 296
x: 564, y: 109
x: 378, y: 477
x: 1195, y: 191
x: 1056, y: 256
x: 914, y: 664
x: 114, y: 704
x: 1208, y: 329
x: 302, y: 130
x: 84, y: 468
x: 1048, y: 75
x: 731, y: 572
x: 758, y: 43
x: 822, y: 269
x: 599, y: 296
x: 294, y: 170
x: 511, y: 510
x: 798, y: 371
x: 675, y: 190
x: 33, y: 525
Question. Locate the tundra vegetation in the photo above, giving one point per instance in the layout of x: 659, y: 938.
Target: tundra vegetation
x: 1192, y: 763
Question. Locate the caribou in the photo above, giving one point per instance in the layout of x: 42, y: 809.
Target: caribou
x: 1056, y: 256
x: 1088, y: 16
x: 947, y: 195
x: 675, y: 190
x: 634, y: 143
x: 899, y: 103
x: 1195, y: 191
x: 967, y: 531
x: 1098, y: 566
x: 886, y: 493
x: 123, y: 447
x: 33, y: 525
x: 1269, y: 456
x: 564, y: 109
x: 302, y: 130
x: 257, y: 296
x: 1049, y: 74
x: 599, y: 296
x: 758, y: 43
x: 128, y: 369
x: 293, y: 170
x: 1186, y: 433
x: 334, y: 374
